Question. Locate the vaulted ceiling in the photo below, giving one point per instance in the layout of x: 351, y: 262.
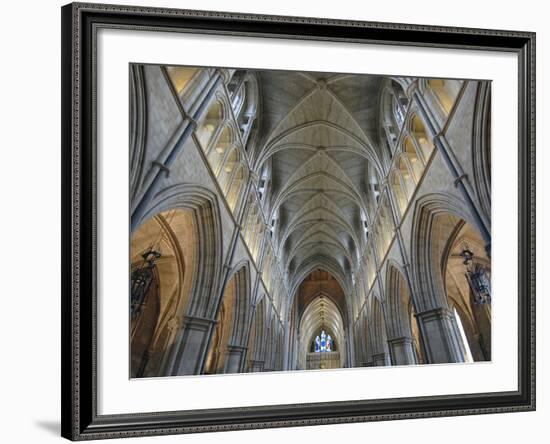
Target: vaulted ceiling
x: 320, y: 133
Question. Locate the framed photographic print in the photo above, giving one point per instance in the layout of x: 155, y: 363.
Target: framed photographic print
x: 278, y: 221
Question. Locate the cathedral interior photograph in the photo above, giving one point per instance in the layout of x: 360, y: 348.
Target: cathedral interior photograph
x: 291, y: 221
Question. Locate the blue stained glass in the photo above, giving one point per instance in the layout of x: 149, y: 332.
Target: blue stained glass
x: 323, y: 343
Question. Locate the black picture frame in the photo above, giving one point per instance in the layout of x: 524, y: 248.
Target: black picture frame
x: 79, y: 171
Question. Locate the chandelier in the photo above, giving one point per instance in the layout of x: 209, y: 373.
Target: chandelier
x: 478, y: 278
x: 143, y: 274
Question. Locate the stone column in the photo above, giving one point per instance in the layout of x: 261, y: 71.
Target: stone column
x: 402, y: 351
x: 381, y: 360
x: 191, y: 346
x: 234, y: 357
x: 443, y: 342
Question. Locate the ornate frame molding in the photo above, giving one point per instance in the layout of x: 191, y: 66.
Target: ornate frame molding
x: 80, y: 22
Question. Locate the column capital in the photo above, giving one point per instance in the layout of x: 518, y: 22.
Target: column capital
x: 236, y: 348
x: 434, y: 313
x: 401, y: 340
x: 198, y: 323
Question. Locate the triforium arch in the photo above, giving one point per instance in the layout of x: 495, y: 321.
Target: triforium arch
x: 288, y: 207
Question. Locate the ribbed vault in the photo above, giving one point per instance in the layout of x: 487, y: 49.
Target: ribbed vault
x: 319, y: 136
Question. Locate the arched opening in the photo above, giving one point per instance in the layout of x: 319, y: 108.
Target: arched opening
x: 408, y: 179
x: 468, y: 288
x: 227, y: 170
x: 217, y: 153
x: 414, y: 160
x: 145, y: 310
x: 257, y: 338
x: 384, y: 228
x: 400, y: 196
x: 162, y: 257
x: 214, y: 360
x: 253, y: 229
x: 320, y: 306
x: 419, y: 350
x: 235, y: 189
x: 377, y: 333
x: 264, y: 184
x: 370, y: 266
x: 187, y: 308
x: 400, y: 103
x: 394, y: 106
x: 237, y: 91
x: 267, y: 267
x: 271, y: 347
x: 452, y: 271
x: 322, y: 332
x: 208, y: 126
x: 227, y: 346
x: 446, y: 92
x: 421, y: 137
x: 403, y: 334
x: 181, y: 77
x: 247, y: 112
x: 373, y: 186
x: 361, y: 351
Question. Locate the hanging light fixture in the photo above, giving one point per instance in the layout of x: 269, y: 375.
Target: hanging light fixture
x: 478, y: 278
x: 143, y: 275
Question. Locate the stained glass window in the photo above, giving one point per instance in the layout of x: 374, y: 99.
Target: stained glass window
x: 323, y: 343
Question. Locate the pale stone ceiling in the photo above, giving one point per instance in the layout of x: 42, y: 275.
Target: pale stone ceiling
x: 320, y: 132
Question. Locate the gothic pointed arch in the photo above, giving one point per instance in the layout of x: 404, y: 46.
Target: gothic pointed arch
x: 162, y: 253
x: 398, y: 302
x: 403, y: 335
x: 257, y: 338
x: 203, y: 204
x: 228, y: 347
x: 377, y: 332
x: 435, y: 217
x: 138, y: 128
x: 481, y: 152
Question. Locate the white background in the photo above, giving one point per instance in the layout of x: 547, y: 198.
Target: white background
x: 29, y: 380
